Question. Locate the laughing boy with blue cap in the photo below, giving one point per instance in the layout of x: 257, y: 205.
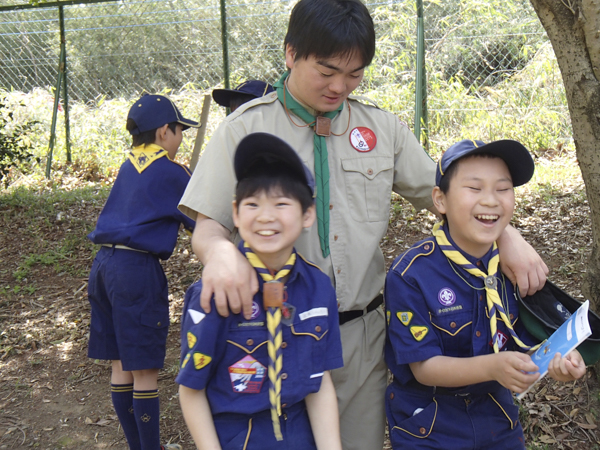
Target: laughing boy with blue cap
x: 127, y: 288
x: 454, y: 342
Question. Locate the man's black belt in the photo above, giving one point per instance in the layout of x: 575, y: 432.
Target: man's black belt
x: 347, y: 316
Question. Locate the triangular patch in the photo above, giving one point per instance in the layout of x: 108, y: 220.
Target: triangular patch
x: 191, y: 340
x: 419, y: 332
x: 185, y: 360
x: 196, y: 316
x: 404, y: 317
x: 201, y: 360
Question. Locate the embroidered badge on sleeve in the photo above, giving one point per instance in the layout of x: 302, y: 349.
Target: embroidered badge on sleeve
x: 404, y: 317
x: 191, y: 340
x: 201, y: 360
x: 419, y: 332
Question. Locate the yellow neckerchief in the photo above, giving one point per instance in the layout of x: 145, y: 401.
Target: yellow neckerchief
x: 143, y: 155
x: 275, y: 336
x: 494, y: 303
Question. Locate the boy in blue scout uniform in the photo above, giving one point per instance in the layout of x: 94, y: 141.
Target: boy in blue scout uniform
x: 266, y: 383
x: 454, y: 342
x: 127, y: 288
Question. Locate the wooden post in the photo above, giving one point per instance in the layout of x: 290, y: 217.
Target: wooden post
x: 201, y: 132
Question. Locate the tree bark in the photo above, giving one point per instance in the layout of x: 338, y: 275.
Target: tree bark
x: 573, y: 27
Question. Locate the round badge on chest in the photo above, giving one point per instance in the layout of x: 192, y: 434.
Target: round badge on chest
x: 363, y: 139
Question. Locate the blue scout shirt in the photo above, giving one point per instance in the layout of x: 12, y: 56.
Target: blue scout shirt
x: 436, y: 308
x: 141, y: 210
x: 228, y: 357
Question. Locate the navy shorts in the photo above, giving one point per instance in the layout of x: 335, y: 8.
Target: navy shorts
x: 128, y: 294
x: 255, y: 431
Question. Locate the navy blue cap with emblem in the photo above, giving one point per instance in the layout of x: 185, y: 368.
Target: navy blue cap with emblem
x: 153, y: 111
x: 251, y: 89
x: 267, y: 149
x: 515, y: 155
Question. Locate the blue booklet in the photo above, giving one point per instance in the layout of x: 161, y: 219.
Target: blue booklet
x: 569, y: 335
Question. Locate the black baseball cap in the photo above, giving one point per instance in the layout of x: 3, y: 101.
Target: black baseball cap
x: 251, y: 89
x: 153, y: 111
x: 268, y: 149
x: 515, y: 155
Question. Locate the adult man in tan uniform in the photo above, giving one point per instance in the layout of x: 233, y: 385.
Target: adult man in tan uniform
x: 367, y: 153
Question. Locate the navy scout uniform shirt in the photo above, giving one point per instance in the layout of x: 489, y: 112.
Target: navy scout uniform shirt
x: 141, y: 210
x: 434, y: 307
x: 228, y: 356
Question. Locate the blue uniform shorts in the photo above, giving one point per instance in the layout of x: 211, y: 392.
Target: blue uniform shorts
x: 128, y: 294
x: 255, y: 431
x: 485, y: 421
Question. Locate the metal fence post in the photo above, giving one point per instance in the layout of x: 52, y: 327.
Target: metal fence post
x: 224, y: 43
x: 421, y: 79
x: 63, y: 47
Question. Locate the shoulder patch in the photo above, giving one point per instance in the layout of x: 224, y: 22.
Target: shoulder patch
x: 191, y: 340
x: 423, y: 248
x: 419, y: 332
x: 186, y: 359
x: 201, y: 360
x: 404, y: 317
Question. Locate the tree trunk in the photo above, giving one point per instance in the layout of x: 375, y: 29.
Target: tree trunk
x: 573, y: 27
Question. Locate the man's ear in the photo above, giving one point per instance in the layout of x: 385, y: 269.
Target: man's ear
x: 439, y: 200
x: 290, y: 56
x: 309, y: 216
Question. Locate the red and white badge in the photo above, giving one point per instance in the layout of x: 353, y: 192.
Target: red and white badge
x: 363, y: 139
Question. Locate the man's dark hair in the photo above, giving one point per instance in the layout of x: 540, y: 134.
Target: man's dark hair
x: 270, y: 178
x: 326, y: 28
x: 147, y: 137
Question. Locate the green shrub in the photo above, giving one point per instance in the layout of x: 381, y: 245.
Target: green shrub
x: 15, y: 142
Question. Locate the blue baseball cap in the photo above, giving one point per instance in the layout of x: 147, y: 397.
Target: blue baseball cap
x: 251, y: 88
x: 267, y: 149
x: 515, y: 155
x: 153, y: 111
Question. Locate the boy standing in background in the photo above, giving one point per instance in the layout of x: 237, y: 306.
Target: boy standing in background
x: 127, y: 287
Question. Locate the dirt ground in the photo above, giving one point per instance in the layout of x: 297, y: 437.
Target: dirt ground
x: 53, y: 397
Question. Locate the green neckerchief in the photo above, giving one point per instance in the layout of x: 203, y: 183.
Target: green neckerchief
x: 321, y: 164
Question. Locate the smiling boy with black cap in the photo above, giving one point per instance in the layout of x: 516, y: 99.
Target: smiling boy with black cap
x: 263, y: 383
x: 454, y: 342
x: 127, y: 287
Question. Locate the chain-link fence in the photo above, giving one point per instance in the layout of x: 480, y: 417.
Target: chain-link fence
x: 118, y: 49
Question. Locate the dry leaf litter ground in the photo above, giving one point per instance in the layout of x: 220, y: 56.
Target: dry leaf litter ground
x: 52, y: 396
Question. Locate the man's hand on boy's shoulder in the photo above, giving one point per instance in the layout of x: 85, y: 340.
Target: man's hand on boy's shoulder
x: 231, y: 279
x: 521, y: 263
